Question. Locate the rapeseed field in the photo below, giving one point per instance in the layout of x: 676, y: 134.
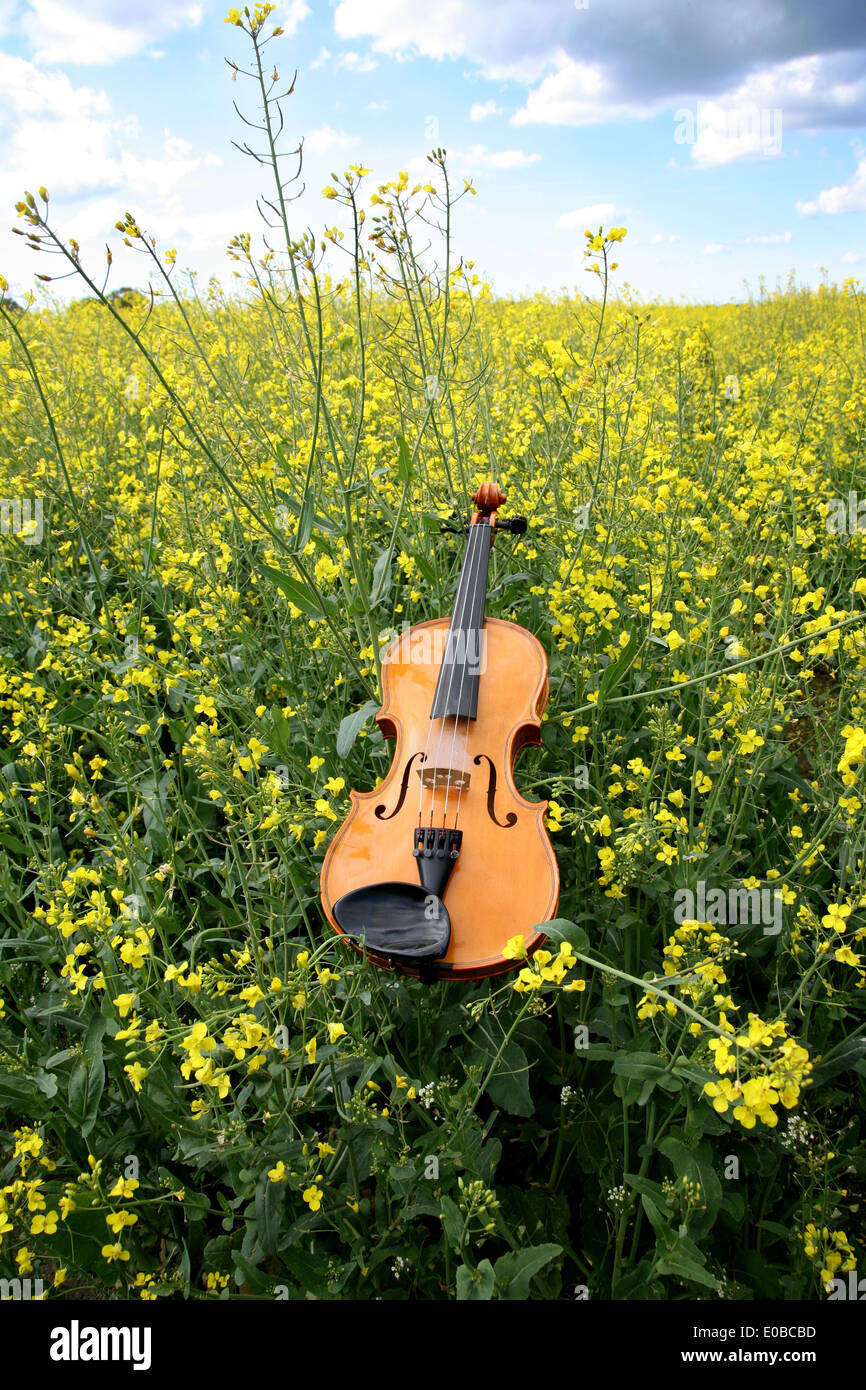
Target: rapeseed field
x: 220, y: 503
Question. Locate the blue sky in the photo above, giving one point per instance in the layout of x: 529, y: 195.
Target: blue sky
x: 729, y: 140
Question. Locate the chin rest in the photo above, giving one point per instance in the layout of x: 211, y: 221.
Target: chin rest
x: 400, y: 921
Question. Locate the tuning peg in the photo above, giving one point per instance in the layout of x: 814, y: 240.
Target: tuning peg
x: 515, y: 524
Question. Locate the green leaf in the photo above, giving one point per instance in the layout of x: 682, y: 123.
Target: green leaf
x: 615, y: 672
x: 196, y: 1205
x: 404, y: 461
x: 71, y: 714
x: 381, y: 577
x: 351, y: 726
x: 247, y: 1273
x: 77, y: 1091
x: 269, y: 1211
x: 646, y: 1186
x: 305, y: 521
x: 86, y: 1084
x: 668, y: 1083
x: 310, y: 1272
x: 650, y: 1070
x: 658, y: 1219
x: 697, y: 1165
x: 561, y: 929
x: 842, y: 1058
x: 297, y: 593
x: 686, y: 1268
x: 19, y: 1093
x: 634, y: 1284
x: 321, y: 522
x: 775, y: 1228
x: 515, y: 1270
x: 476, y: 1284
x: 508, y: 1087
x: 95, y: 1088
x: 452, y: 1220
x: 645, y: 1066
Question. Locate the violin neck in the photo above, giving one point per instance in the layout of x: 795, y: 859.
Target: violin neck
x: 457, y: 688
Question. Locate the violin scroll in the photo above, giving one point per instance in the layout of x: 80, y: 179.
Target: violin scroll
x: 487, y: 499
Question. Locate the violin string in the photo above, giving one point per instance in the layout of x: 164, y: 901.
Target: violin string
x: 458, y: 599
x: 468, y: 721
x: 465, y: 756
x: 478, y: 582
x: 421, y: 771
x: 459, y: 636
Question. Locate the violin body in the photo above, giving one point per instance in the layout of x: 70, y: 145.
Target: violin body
x: 502, y: 879
x: 506, y: 879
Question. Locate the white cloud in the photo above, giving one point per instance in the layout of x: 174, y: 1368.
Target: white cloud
x: 322, y: 58
x: 812, y: 91
x: 297, y: 12
x: 66, y: 138
x: 852, y: 257
x: 804, y: 93
x: 582, y: 218
x: 712, y: 248
x: 26, y: 90
x: 101, y: 31
x: 324, y: 140
x: 767, y: 238
x: 480, y: 110
x: 479, y: 157
x: 628, y: 57
x: 356, y: 62
x: 723, y: 132
x: 572, y: 95
x: 433, y: 29
x: 844, y: 197
x: 658, y: 237
x: 53, y: 133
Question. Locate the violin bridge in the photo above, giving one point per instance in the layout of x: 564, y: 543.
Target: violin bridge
x: 442, y: 778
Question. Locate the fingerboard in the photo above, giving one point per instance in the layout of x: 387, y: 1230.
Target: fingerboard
x: 457, y: 687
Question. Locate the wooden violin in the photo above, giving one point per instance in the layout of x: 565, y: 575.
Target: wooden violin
x: 436, y: 869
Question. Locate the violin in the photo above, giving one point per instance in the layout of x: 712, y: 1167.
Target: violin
x: 433, y: 871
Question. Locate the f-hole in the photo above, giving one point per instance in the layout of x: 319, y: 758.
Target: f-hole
x: 511, y: 818
x: 380, y: 810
